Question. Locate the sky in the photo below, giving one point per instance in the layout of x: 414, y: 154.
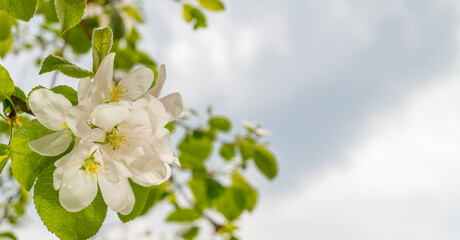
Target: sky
x: 362, y: 97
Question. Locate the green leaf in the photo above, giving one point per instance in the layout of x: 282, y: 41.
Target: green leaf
x: 184, y: 215
x: 72, y: 2
x: 266, y: 162
x: 199, y: 190
x: 117, y: 25
x: 231, y: 203
x: 66, y: 225
x: 5, y: 26
x: 156, y: 194
x: 19, y: 94
x: 192, y: 14
x: 4, y: 155
x: 249, y: 192
x: 190, y: 233
x: 214, y: 188
x: 8, y: 235
x: 247, y: 148
x: 227, y: 151
x: 141, y: 194
x: 26, y: 165
x: 69, y: 15
x: 23, y: 9
x: 194, y: 151
x: 6, y: 84
x: 133, y: 13
x: 5, y: 45
x: 55, y: 63
x: 79, y: 39
x: 67, y: 92
x: 214, y: 5
x: 102, y: 43
x: 220, y: 122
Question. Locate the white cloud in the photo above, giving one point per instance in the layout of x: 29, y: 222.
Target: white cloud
x: 398, y: 180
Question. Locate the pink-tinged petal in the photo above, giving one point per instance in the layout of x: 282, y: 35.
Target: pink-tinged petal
x: 156, y: 111
x: 136, y: 83
x: 162, y: 145
x: 49, y: 108
x: 129, y: 205
x: 160, y: 173
x: 104, y: 76
x: 52, y: 144
x: 77, y: 190
x: 155, y: 91
x: 108, y: 116
x: 116, y: 195
x: 173, y: 105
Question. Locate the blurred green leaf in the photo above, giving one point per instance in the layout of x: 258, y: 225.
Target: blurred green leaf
x: 227, y: 151
x: 133, y: 13
x: 141, y: 195
x: 55, y: 63
x: 156, y: 194
x: 266, y: 162
x: 220, y: 122
x: 7, y: 235
x: 195, y: 16
x: 249, y: 192
x: 6, y: 84
x: 66, y: 225
x: 214, y: 5
x: 102, y: 43
x: 117, y: 25
x: 199, y: 190
x: 191, y: 233
x: 5, y: 26
x: 184, y: 215
x: 231, y: 203
x: 214, y: 188
x: 193, y: 151
x: 69, y: 15
x: 46, y: 7
x: 79, y: 40
x: 23, y: 10
x: 4, y: 155
x: 67, y: 92
x: 5, y: 45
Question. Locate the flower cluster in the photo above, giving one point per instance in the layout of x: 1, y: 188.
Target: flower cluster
x: 119, y: 131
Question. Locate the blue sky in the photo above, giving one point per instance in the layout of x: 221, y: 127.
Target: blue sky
x: 362, y: 97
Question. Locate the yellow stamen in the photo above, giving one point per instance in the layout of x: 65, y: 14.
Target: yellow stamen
x: 116, y: 93
x: 90, y: 166
x: 115, y: 139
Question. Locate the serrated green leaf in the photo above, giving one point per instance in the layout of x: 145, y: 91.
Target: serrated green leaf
x: 66, y: 225
x: 55, y: 63
x: 72, y: 2
x: 220, y: 122
x: 266, y: 162
x: 23, y: 10
x: 195, y: 16
x: 141, y: 194
x: 19, y: 94
x: 231, y: 203
x: 6, y: 84
x: 249, y: 192
x: 26, y: 165
x: 69, y: 15
x: 67, y: 92
x: 227, y: 151
x: 214, y: 5
x: 190, y: 233
x: 184, y: 215
x: 102, y: 43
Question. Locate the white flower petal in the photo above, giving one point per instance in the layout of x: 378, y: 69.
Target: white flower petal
x: 108, y: 116
x: 116, y: 195
x: 157, y: 175
x: 104, y: 76
x: 137, y: 83
x: 129, y: 205
x: 77, y: 190
x: 77, y: 156
x: 57, y: 178
x: 162, y: 145
x: 52, y: 144
x: 49, y: 108
x: 173, y: 105
x: 155, y: 91
x: 83, y: 88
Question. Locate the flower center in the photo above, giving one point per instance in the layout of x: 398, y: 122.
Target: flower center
x: 64, y: 126
x: 114, y: 138
x: 91, y: 165
x: 117, y: 92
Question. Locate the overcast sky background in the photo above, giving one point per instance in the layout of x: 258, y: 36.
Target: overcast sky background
x: 362, y: 97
